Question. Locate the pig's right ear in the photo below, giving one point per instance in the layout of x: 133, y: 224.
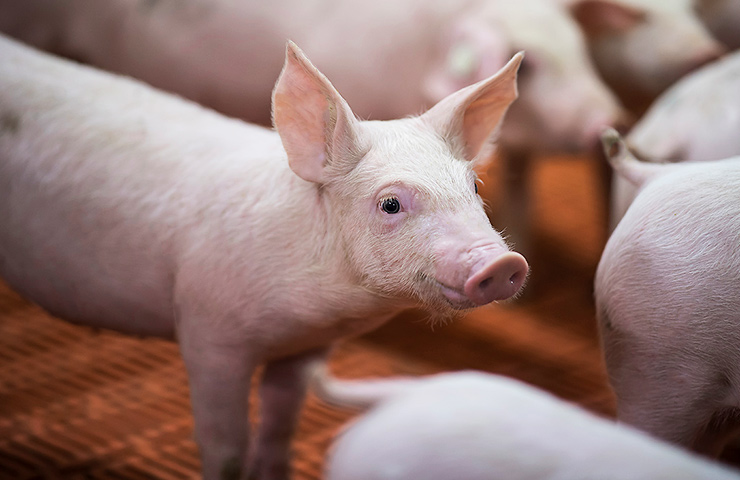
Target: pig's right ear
x: 468, y: 117
x: 315, y: 123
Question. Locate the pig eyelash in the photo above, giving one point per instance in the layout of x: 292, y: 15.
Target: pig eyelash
x: 476, y: 181
x: 390, y: 205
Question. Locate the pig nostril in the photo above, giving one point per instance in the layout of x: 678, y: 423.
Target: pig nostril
x: 484, y: 283
x: 516, y: 278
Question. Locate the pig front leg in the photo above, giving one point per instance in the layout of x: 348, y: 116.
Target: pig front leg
x: 219, y: 376
x: 282, y: 392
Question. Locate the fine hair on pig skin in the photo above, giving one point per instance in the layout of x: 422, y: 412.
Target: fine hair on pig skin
x: 127, y: 208
x: 477, y: 426
x: 667, y: 302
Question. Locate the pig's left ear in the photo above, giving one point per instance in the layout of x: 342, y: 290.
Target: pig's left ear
x: 315, y: 123
x: 468, y: 117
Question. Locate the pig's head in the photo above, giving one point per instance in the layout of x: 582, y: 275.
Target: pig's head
x: 562, y: 105
x: 643, y: 46
x: 402, y: 194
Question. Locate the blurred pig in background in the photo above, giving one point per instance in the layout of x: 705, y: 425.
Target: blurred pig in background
x: 722, y: 18
x: 475, y: 426
x: 641, y: 47
x: 390, y: 58
x: 697, y: 119
x: 667, y: 294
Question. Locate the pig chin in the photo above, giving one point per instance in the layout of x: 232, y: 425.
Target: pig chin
x: 438, y: 297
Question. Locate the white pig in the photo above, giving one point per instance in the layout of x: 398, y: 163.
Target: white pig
x: 641, y: 47
x: 722, y: 18
x: 477, y: 426
x: 126, y: 208
x: 389, y: 58
x: 668, y: 301
x: 697, y: 119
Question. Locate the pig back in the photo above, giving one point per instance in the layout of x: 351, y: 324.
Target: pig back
x: 102, y: 182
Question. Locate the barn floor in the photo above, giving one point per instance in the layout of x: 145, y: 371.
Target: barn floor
x: 77, y: 403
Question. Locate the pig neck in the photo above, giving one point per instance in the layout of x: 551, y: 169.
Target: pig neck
x: 329, y: 263
x: 299, y: 246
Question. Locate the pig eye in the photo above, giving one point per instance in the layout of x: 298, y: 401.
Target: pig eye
x: 475, y: 185
x: 390, y: 205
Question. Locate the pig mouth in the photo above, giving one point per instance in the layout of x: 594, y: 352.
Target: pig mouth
x: 453, y: 297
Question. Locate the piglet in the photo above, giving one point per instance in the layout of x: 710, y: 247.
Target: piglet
x: 477, y: 426
x: 126, y: 208
x: 668, y: 300
x: 697, y: 119
x: 641, y: 47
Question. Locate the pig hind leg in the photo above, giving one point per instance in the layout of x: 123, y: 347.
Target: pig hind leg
x: 282, y: 391
x: 668, y: 403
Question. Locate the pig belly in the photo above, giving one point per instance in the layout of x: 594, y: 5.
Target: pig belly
x: 78, y: 242
x: 80, y: 281
x: 80, y: 237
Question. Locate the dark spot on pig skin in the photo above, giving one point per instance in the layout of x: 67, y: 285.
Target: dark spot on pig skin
x: 605, y: 321
x: 10, y: 123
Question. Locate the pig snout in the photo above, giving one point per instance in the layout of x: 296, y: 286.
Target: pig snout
x: 496, y: 278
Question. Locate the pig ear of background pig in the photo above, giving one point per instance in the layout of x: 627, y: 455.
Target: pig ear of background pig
x: 315, y: 123
x: 599, y: 17
x: 468, y: 117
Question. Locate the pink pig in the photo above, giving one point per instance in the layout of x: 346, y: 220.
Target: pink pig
x: 697, y: 119
x: 641, y: 47
x: 122, y: 207
x: 668, y: 304
x: 477, y: 426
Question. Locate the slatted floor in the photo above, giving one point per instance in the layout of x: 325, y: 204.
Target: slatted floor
x: 77, y: 403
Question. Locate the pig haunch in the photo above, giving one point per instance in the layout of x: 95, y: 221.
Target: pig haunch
x: 479, y: 426
x: 127, y: 208
x: 667, y: 300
